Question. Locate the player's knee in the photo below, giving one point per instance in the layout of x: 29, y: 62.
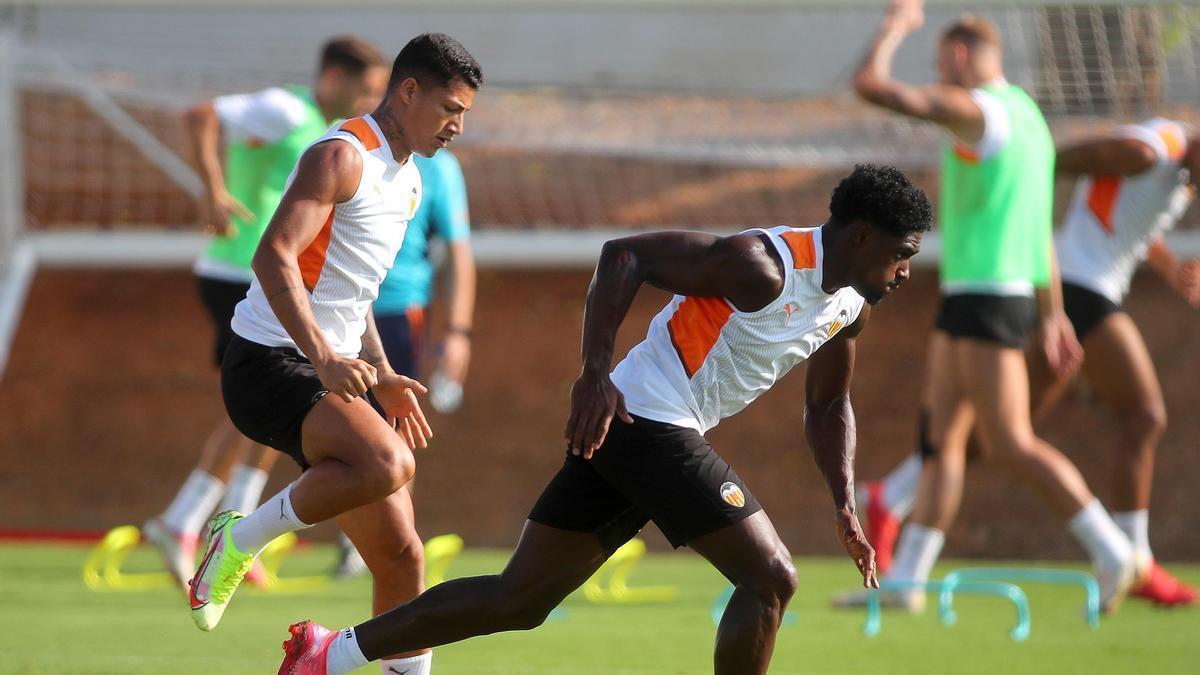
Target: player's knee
x: 1147, y: 421
x: 777, y: 583
x: 392, y: 467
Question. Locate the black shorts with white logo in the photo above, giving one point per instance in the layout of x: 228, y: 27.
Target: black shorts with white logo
x: 219, y: 298
x: 268, y: 392
x: 1002, y: 319
x: 646, y: 471
x: 1086, y: 308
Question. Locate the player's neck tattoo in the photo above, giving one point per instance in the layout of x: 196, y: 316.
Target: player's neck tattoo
x: 389, y: 124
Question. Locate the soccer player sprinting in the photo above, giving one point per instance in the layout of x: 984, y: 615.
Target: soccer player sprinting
x: 266, y: 132
x: 1133, y: 186
x: 304, y: 372
x: 998, y: 285
x: 747, y: 309
x: 405, y: 295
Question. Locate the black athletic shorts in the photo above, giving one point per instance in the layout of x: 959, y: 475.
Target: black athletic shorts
x: 1086, y: 308
x: 268, y: 392
x: 219, y: 298
x: 646, y: 471
x: 1002, y: 319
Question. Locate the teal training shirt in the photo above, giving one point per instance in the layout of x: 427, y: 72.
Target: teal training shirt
x: 443, y: 213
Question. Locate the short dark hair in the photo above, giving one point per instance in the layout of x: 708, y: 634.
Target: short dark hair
x: 350, y: 53
x: 973, y: 30
x: 435, y: 59
x: 883, y: 197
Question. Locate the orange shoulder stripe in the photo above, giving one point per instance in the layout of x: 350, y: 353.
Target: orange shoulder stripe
x: 359, y: 128
x: 804, y: 250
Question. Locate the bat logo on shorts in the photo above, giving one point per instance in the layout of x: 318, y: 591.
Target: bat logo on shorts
x: 839, y: 322
x: 733, y: 495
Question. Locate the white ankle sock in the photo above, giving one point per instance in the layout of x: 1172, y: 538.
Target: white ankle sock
x: 413, y: 665
x: 900, y: 486
x: 1136, y: 526
x: 916, y: 553
x: 194, y: 503
x: 273, y: 518
x: 344, y: 655
x: 1105, y: 543
x: 245, y: 489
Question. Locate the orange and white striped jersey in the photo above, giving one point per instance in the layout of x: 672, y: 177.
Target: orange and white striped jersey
x: 704, y: 360
x: 1113, y: 219
x: 343, y: 267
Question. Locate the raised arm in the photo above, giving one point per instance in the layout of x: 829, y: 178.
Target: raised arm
x: 744, y: 268
x: 829, y: 428
x: 1109, y: 156
x: 949, y: 106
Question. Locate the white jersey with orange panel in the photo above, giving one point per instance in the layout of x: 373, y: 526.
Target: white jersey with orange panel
x: 703, y: 360
x: 343, y: 267
x: 1113, y: 219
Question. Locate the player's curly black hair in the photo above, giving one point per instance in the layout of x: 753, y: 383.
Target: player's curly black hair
x: 435, y: 58
x: 883, y: 197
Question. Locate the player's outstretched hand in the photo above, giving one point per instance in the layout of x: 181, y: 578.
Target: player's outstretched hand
x: 217, y: 212
x: 398, y: 396
x: 1059, y: 344
x: 906, y: 15
x: 1187, y: 282
x: 594, y: 402
x: 851, y: 535
x: 348, y: 378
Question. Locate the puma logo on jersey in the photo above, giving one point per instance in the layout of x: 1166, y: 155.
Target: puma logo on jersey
x: 789, y: 309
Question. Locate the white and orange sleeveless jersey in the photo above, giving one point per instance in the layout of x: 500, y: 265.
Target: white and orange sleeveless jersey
x: 1113, y: 219
x: 704, y: 360
x: 343, y: 267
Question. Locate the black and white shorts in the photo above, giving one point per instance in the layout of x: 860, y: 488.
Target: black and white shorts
x: 1086, y: 308
x: 219, y: 298
x: 1001, y: 319
x: 269, y: 391
x: 646, y: 471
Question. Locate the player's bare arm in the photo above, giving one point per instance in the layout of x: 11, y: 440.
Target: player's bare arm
x: 1183, y: 276
x: 395, y: 392
x: 456, y: 349
x: 328, y: 174
x: 949, y: 106
x: 1055, y: 333
x: 744, y: 268
x: 830, y: 430
x: 1105, y: 157
x: 217, y: 206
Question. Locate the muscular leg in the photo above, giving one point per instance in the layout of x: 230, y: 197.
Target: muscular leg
x: 1119, y: 370
x: 997, y: 383
x: 383, y: 533
x: 756, y: 562
x: 356, y: 458
x: 950, y: 419
x: 547, y: 565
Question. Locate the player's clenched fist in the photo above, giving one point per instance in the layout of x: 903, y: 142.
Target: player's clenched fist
x: 348, y: 378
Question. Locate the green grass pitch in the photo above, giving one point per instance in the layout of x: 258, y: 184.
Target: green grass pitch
x: 51, y: 623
